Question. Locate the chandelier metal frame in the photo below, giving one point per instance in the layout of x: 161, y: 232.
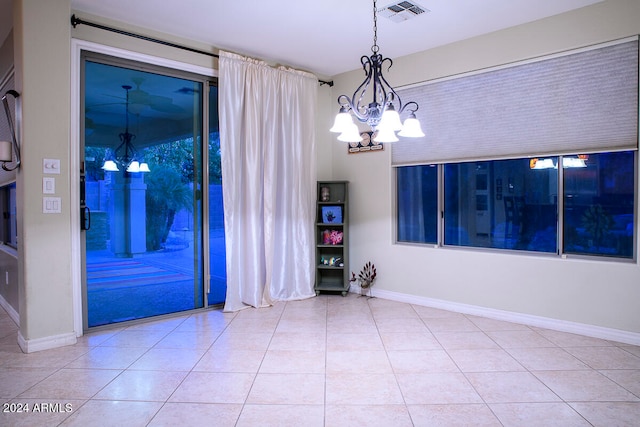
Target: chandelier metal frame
x: 383, y: 98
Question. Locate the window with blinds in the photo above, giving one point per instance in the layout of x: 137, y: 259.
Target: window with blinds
x: 583, y: 101
x: 539, y: 157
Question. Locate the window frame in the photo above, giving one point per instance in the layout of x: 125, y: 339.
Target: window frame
x: 560, y: 221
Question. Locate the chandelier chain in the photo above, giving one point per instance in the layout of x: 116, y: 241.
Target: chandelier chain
x: 375, y: 47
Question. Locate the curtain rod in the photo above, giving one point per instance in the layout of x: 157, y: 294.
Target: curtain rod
x: 77, y: 21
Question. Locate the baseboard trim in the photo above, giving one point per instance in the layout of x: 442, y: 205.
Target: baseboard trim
x: 611, y: 334
x: 46, y: 343
x: 10, y: 310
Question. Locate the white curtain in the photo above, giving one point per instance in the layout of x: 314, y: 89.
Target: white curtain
x: 267, y: 140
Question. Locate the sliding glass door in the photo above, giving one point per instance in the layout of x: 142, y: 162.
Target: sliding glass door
x: 142, y: 191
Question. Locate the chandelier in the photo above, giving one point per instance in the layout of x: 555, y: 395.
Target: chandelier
x: 125, y: 154
x: 380, y: 114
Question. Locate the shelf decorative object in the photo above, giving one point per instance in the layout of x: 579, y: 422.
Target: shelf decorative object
x: 332, y: 214
x: 325, y: 194
x: 332, y: 237
x: 365, y: 278
x: 367, y: 145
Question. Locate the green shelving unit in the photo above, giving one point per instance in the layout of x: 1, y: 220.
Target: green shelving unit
x: 332, y: 237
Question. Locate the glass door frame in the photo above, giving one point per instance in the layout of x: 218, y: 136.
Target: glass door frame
x: 191, y: 71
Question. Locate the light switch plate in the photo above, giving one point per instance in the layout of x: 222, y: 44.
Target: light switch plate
x: 51, y: 166
x: 51, y: 205
x: 48, y: 185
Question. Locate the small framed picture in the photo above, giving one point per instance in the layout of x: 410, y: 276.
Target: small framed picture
x: 332, y: 214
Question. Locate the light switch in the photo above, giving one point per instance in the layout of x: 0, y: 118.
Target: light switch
x: 51, y: 166
x: 51, y: 205
x: 48, y: 185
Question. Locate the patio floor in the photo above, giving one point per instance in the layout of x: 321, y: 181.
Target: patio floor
x: 149, y: 284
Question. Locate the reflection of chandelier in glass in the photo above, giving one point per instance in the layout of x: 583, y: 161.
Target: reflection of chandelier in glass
x: 125, y: 153
x: 579, y: 161
x: 380, y: 114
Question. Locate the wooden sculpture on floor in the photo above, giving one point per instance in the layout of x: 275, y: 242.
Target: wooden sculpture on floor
x: 365, y: 279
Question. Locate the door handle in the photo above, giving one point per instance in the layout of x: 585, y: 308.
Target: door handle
x: 85, y: 218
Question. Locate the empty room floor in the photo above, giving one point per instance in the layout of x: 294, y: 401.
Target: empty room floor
x: 325, y: 361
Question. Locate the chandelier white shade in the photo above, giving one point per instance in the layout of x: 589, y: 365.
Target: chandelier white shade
x: 390, y: 119
x: 385, y: 135
x: 411, y: 128
x: 110, y: 166
x: 342, y: 121
x: 135, y: 166
x: 350, y: 133
x: 380, y: 114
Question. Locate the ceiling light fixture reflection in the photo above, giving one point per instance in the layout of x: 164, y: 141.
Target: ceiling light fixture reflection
x: 125, y: 154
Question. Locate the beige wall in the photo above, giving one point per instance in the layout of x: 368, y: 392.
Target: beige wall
x: 41, y: 45
x: 596, y: 293
x: 599, y: 293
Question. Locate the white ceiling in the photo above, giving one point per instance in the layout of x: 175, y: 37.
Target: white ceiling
x: 326, y: 37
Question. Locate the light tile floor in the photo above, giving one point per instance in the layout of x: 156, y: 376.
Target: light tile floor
x: 326, y: 361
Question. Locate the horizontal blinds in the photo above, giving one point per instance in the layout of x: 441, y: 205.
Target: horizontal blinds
x: 579, y: 102
x: 5, y: 133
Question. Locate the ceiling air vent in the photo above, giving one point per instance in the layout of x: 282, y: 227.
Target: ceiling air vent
x: 402, y: 11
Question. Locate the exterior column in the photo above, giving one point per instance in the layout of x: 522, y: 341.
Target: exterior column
x: 128, y: 215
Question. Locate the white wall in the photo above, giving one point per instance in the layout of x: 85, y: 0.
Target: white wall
x: 600, y: 293
x: 324, y: 140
